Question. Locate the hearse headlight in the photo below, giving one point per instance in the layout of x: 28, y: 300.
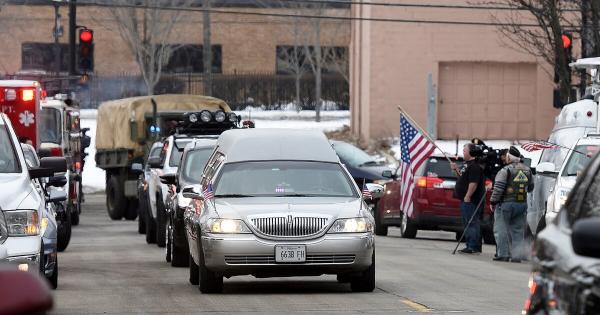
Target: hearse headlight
x: 227, y: 226
x: 351, y: 225
x: 22, y: 222
x: 205, y: 116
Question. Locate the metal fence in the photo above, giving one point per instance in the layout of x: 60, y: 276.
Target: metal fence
x: 272, y: 91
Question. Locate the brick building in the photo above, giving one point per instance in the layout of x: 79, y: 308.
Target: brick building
x: 242, y: 43
x: 483, y: 87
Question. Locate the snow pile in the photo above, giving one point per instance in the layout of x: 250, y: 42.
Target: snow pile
x: 94, y: 177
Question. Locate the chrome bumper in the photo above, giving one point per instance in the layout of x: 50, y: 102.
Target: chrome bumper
x: 247, y: 254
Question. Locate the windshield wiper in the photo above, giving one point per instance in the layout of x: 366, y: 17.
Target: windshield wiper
x: 233, y: 196
x: 294, y: 195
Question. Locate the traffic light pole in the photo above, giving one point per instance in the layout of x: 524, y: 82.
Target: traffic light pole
x: 72, y: 35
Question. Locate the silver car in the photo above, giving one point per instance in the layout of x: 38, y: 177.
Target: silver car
x: 283, y: 205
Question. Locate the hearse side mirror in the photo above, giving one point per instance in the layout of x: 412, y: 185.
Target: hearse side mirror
x: 57, y: 181
x: 192, y: 192
x: 169, y: 179
x: 137, y: 168
x: 546, y: 169
x: 155, y: 162
x: 585, y: 237
x: 49, y: 166
x: 376, y: 190
x: 57, y: 196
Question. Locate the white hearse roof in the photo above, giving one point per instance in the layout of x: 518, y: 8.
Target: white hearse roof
x: 275, y: 144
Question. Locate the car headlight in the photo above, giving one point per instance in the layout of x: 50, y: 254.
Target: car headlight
x: 22, y: 222
x: 351, y: 225
x: 227, y: 226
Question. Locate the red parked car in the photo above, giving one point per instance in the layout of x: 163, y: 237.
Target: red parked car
x: 434, y: 208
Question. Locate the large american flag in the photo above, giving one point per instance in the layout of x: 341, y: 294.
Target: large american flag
x: 538, y: 145
x: 414, y: 150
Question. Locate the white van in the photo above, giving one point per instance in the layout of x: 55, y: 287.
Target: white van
x: 576, y: 161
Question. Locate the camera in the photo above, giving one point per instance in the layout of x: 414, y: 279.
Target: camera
x: 488, y: 157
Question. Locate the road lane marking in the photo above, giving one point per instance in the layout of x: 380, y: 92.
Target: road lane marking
x: 416, y: 306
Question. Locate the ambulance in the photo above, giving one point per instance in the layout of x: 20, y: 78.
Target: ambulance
x: 20, y: 100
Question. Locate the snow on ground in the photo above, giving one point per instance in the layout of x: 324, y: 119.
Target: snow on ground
x: 94, y: 177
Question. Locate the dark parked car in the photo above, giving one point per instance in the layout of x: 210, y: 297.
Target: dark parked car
x: 143, y: 191
x: 566, y: 262
x: 359, y: 163
x: 434, y: 207
x: 189, y: 172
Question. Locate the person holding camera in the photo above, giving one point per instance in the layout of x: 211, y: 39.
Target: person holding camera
x: 509, y: 203
x: 470, y: 188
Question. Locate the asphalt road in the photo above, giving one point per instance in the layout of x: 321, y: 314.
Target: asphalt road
x: 108, y: 268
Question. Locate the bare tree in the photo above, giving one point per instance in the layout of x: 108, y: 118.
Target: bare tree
x: 291, y: 60
x: 147, y: 30
x: 554, y: 18
x: 337, y: 59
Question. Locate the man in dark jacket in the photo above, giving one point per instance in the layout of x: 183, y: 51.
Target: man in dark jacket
x: 509, y: 202
x: 470, y: 188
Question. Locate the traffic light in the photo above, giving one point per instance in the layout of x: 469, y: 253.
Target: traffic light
x: 86, y: 50
x: 567, y: 40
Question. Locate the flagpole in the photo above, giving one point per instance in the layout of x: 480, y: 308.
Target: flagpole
x: 403, y: 112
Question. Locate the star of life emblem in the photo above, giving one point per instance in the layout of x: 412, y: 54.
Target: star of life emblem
x: 26, y: 118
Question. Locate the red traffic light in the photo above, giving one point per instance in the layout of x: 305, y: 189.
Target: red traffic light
x: 566, y: 40
x: 86, y: 36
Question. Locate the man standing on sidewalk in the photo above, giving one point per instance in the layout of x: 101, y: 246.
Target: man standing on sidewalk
x: 509, y: 202
x: 470, y: 188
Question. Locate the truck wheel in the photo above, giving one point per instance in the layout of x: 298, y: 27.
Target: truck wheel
x: 141, y: 220
x: 74, y: 215
x: 115, y: 200
x: 366, y: 282
x: 132, y: 210
x: 150, y: 227
x: 161, y: 222
x: 64, y: 229
x: 179, y: 254
x: 169, y: 242
x: 54, y: 278
x: 380, y: 228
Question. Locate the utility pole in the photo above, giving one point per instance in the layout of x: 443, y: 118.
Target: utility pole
x: 72, y: 31
x: 207, y: 49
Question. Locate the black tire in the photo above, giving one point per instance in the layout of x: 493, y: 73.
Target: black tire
x: 380, y: 228
x: 407, y: 228
x: 169, y: 241
x: 161, y: 222
x: 209, y: 282
x: 74, y: 217
x: 116, y: 203
x: 54, y: 278
x: 150, y: 228
x: 488, y: 237
x: 141, y: 219
x: 64, y: 229
x: 132, y: 210
x: 179, y: 256
x: 194, y: 272
x: 366, y: 282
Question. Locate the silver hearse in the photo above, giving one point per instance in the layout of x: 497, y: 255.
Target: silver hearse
x: 283, y: 205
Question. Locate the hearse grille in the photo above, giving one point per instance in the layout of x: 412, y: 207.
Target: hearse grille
x: 270, y: 259
x: 289, y: 226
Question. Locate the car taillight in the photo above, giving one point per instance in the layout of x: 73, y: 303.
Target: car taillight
x: 56, y: 152
x: 429, y: 182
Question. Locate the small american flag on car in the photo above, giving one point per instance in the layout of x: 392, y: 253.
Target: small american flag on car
x: 366, y: 193
x: 538, y: 145
x: 208, y: 192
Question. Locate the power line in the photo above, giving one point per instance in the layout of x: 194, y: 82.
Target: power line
x: 308, y: 16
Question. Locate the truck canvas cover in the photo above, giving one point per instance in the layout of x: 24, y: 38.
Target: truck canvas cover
x: 113, y: 129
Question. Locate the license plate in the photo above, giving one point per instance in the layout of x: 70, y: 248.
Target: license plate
x: 290, y: 253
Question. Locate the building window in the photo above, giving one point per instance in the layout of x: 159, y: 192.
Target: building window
x: 292, y: 60
x: 189, y: 59
x: 41, y: 56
